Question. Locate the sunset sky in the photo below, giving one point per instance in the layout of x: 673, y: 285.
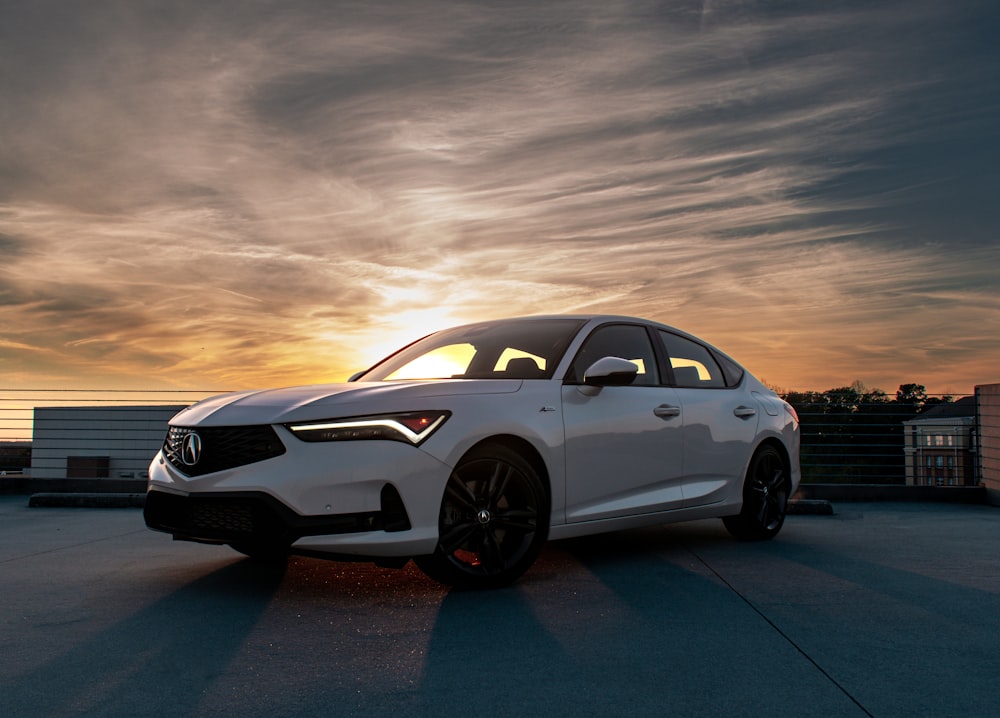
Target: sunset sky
x: 229, y: 195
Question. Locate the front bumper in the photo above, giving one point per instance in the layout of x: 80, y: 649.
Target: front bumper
x: 363, y: 498
x: 257, y: 519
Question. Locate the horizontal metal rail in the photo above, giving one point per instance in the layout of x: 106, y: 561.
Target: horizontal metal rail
x: 865, y: 442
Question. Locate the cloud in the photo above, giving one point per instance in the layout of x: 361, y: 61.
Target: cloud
x: 265, y: 193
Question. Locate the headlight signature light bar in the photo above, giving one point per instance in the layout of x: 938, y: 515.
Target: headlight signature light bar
x: 412, y: 427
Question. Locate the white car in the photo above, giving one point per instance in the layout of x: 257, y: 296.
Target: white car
x: 469, y: 448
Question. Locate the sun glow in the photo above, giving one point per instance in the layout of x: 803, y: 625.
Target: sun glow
x: 377, y: 340
x: 442, y: 363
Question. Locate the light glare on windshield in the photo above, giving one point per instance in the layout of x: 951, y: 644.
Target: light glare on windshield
x: 441, y: 363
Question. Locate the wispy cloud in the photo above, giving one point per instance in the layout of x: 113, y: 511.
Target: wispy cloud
x: 248, y: 193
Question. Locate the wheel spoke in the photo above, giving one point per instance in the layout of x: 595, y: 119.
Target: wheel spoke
x: 461, y: 493
x: 491, y: 556
x: 774, y: 509
x: 768, y: 494
x: 775, y: 479
x: 779, y: 500
x: 498, y: 485
x: 762, y: 511
x: 521, y: 521
x: 457, y: 537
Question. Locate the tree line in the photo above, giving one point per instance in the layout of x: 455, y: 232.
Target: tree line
x: 854, y: 434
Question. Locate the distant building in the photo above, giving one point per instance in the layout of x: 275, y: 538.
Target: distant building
x: 940, y: 445
x: 114, y: 442
x: 988, y: 411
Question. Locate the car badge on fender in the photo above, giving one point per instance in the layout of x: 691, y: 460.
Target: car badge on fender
x: 191, y: 449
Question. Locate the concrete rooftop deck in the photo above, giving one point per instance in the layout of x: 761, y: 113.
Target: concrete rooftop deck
x: 887, y: 609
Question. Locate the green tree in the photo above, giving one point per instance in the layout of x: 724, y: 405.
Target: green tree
x: 854, y: 434
x: 914, y: 394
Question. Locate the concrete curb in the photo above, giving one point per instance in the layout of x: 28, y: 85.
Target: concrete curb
x: 87, y: 501
x: 891, y: 492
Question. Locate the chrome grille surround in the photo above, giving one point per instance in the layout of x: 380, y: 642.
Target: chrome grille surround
x: 222, y: 447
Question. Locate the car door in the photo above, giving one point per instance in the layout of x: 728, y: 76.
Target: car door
x: 720, y: 421
x: 624, y: 444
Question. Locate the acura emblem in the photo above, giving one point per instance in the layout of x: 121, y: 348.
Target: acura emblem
x: 191, y: 449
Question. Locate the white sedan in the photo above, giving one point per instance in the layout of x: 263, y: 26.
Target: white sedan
x: 469, y: 448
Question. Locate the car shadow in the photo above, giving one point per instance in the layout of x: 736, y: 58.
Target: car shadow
x: 186, y: 638
x: 621, y: 623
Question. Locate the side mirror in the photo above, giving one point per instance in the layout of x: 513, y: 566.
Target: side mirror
x: 355, y: 375
x: 610, y: 371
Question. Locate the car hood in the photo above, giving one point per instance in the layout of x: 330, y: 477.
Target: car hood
x: 323, y: 401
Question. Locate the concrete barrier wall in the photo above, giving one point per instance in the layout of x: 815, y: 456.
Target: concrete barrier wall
x: 125, y: 437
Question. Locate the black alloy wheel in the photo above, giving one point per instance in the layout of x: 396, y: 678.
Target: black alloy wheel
x: 765, y: 497
x: 494, y: 519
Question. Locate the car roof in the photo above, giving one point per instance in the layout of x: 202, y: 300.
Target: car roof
x: 597, y: 318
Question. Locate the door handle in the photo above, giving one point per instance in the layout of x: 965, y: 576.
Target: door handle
x: 744, y: 412
x: 665, y: 411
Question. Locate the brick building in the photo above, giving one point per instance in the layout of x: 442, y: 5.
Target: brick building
x: 940, y: 445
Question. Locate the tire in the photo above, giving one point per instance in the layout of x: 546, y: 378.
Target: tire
x: 765, y: 497
x: 494, y: 520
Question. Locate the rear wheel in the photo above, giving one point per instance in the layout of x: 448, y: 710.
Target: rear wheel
x: 765, y: 497
x: 494, y: 519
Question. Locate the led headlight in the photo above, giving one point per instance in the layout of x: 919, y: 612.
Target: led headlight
x: 410, y: 427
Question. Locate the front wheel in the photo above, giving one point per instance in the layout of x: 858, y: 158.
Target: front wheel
x: 765, y: 497
x: 494, y: 519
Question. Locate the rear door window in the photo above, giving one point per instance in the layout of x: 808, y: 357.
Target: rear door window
x: 693, y: 365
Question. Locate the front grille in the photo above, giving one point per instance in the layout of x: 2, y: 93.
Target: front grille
x: 254, y: 517
x: 221, y: 448
x: 217, y: 518
x: 223, y: 519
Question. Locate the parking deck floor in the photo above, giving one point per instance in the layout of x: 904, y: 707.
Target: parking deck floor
x: 878, y: 610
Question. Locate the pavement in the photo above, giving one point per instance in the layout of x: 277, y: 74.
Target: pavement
x: 881, y: 609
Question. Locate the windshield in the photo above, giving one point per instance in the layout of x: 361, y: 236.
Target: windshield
x: 512, y: 349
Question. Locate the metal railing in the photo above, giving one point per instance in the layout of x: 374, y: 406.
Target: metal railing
x: 81, y: 427
x: 17, y: 405
x: 886, y: 441
x: 845, y: 439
